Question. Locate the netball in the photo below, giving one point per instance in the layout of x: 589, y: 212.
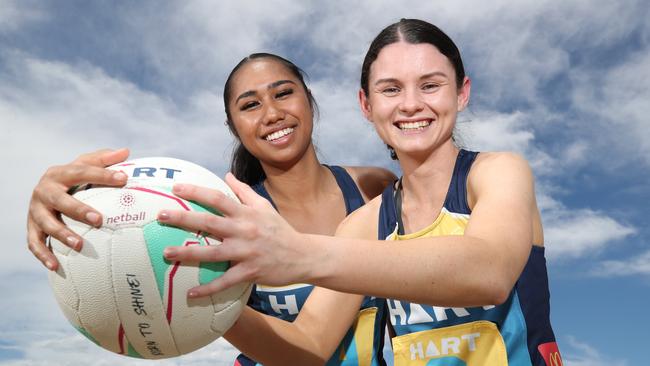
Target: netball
x: 119, y: 291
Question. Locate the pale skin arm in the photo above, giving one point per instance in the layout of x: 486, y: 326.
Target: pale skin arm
x: 478, y: 268
x: 50, y: 198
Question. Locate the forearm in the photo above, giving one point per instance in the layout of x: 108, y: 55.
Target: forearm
x: 445, y: 271
x: 272, y: 341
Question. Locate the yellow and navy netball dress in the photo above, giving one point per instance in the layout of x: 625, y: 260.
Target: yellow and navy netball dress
x: 517, y: 332
x: 363, y: 343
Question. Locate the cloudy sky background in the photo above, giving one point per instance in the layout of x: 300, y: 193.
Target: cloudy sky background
x: 566, y: 84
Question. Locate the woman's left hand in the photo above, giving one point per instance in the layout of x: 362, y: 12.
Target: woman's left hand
x: 257, y: 241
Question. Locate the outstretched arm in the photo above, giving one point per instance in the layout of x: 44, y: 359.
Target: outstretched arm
x: 477, y: 268
x: 50, y: 198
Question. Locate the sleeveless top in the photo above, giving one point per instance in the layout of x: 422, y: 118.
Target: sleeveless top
x: 517, y: 332
x: 364, y: 342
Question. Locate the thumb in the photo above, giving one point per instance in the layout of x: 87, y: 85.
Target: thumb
x: 243, y: 191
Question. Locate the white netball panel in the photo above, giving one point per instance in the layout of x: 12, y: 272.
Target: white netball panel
x: 139, y: 303
x: 224, y: 299
x: 224, y: 319
x: 64, y: 291
x: 190, y: 317
x: 88, y: 270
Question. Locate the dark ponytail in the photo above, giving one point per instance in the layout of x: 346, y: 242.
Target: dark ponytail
x: 244, y: 165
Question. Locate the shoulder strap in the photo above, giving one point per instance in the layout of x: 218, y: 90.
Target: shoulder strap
x: 456, y: 200
x: 387, y: 214
x: 351, y: 194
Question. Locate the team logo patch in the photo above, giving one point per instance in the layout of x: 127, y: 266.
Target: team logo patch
x: 551, y: 354
x: 472, y: 344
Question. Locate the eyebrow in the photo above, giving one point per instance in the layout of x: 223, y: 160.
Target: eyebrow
x: 274, y: 84
x: 425, y: 76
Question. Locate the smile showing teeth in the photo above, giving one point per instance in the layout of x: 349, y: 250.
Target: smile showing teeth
x: 418, y: 125
x: 278, y: 134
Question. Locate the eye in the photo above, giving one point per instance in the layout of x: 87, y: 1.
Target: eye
x: 429, y: 87
x: 283, y: 93
x: 390, y: 91
x: 249, y: 105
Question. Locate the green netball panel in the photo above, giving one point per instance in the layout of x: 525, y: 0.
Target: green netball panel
x: 87, y: 335
x: 209, y: 270
x: 158, y: 237
x: 132, y: 352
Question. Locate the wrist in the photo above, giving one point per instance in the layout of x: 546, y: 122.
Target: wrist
x: 319, y: 252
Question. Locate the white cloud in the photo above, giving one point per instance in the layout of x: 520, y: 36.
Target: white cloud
x: 194, y: 44
x: 497, y: 132
x: 637, y: 265
x: 580, y: 353
x: 576, y: 153
x: 575, y: 233
x: 68, y: 347
x: 618, y: 101
x: 342, y: 135
x: 15, y: 14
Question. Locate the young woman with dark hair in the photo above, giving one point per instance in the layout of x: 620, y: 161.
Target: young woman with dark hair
x: 270, y: 111
x: 460, y: 255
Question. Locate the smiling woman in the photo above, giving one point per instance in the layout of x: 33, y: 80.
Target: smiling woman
x: 421, y: 104
x: 269, y: 89
x: 270, y: 111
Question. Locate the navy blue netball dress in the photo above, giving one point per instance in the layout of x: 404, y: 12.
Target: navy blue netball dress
x: 363, y: 343
x: 517, y: 332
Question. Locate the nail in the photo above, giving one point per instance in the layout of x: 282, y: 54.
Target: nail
x: 72, y: 242
x: 178, y: 188
x: 93, y: 218
x: 163, y: 215
x: 169, y: 252
x: 120, y: 176
x: 49, y: 265
x: 192, y: 293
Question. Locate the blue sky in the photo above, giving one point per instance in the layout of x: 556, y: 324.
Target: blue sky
x: 563, y: 83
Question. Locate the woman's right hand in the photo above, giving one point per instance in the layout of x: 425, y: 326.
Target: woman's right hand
x: 50, y: 198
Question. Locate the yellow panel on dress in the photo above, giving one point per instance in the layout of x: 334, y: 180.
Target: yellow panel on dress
x: 477, y: 343
x: 447, y: 223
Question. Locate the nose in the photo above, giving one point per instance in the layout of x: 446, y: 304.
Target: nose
x: 272, y: 113
x: 411, y: 102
